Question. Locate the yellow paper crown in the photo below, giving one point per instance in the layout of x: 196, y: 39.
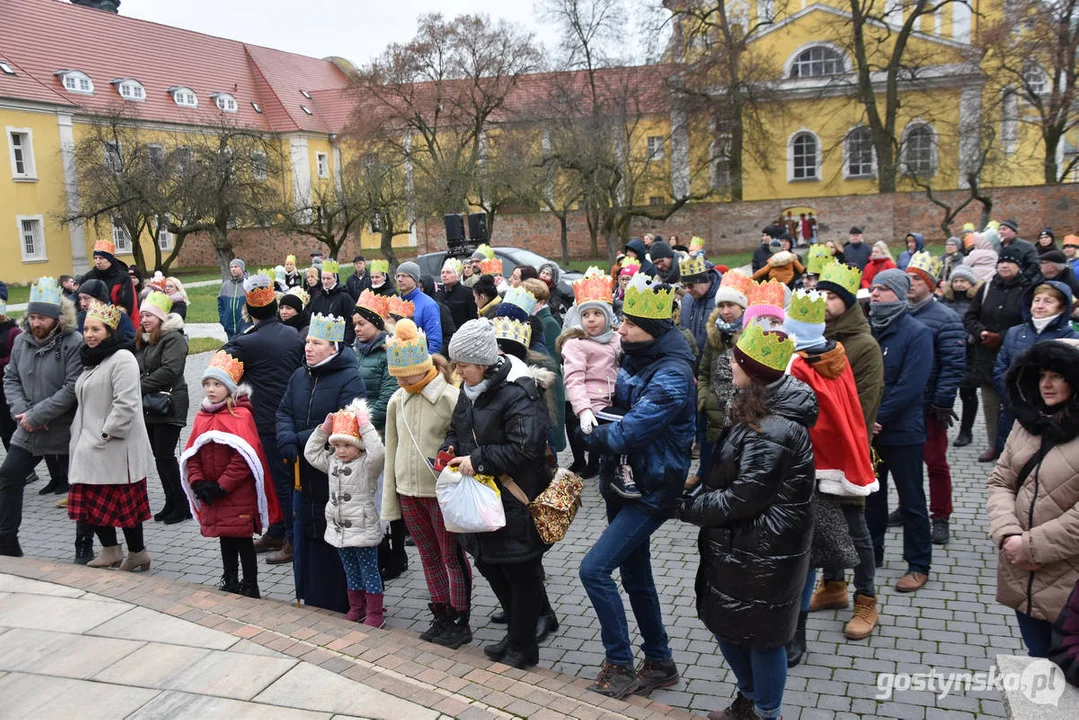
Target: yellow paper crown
x: 648, y: 299
x: 506, y: 328
x: 847, y: 277
x: 737, y: 280
x: 696, y: 243
x: 487, y: 251
x: 327, y: 327
x: 691, y: 266
x: 378, y: 304
x: 380, y: 266
x: 400, y: 307
x: 819, y: 256
x: 228, y: 364
x: 769, y: 348
x: 807, y: 307
x: 105, y: 246
x: 300, y: 293
x: 767, y: 293
x: 108, y: 314
x: 491, y: 266
x: 595, y: 286
x: 330, y: 266
x: 928, y: 264
x: 290, y: 259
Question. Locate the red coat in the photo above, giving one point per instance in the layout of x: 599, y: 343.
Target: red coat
x: 874, y: 266
x: 224, y: 447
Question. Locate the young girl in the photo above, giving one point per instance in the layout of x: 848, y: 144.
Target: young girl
x: 352, y: 526
x: 590, y: 352
x: 417, y: 419
x: 224, y: 474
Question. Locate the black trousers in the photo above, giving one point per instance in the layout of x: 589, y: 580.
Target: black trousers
x: 519, y: 589
x: 17, y: 465
x: 242, y: 549
x: 163, y: 441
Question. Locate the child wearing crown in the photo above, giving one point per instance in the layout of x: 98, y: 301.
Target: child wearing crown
x: 225, y: 474
x: 590, y: 352
x: 353, y: 465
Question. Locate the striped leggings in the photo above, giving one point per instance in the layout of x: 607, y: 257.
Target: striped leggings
x: 445, y: 567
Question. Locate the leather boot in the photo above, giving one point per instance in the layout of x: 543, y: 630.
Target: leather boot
x: 136, y: 561
x: 456, y: 632
x: 250, y: 588
x: 9, y: 546
x: 357, y: 606
x: 865, y: 618
x: 374, y: 610
x: 108, y: 557
x: 282, y: 556
x: 266, y: 544
x: 796, y: 648
x: 441, y: 616
x: 829, y: 595
x: 230, y: 582
x: 84, y: 548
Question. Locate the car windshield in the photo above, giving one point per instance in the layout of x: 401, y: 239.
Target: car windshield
x: 525, y: 257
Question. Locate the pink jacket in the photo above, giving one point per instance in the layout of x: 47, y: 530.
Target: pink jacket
x: 590, y: 370
x: 982, y: 259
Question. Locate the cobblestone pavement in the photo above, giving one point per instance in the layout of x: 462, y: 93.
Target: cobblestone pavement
x: 953, y: 624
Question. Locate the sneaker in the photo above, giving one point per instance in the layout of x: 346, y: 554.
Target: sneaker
x: 911, y: 581
x: 740, y: 709
x: 625, y: 488
x: 963, y: 439
x: 895, y: 518
x: 865, y: 618
x: 615, y: 681
x: 940, y: 534
x: 829, y: 595
x: 653, y: 674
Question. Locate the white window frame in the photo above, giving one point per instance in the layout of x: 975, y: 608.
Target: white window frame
x: 225, y: 102
x: 113, y: 154
x: 131, y: 90
x: 39, y: 254
x: 121, y: 238
x: 184, y: 96
x: 322, y: 164
x: 790, y: 156
x: 165, y: 240
x: 847, y: 174
x: 795, y: 62
x: 76, y: 81
x: 904, y: 148
x: 1035, y: 81
x: 657, y: 147
x: 6, y: 68
x: 26, y: 149
x: 258, y: 165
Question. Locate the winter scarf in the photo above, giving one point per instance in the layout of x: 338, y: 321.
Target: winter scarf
x: 1040, y: 325
x: 882, y: 314
x: 418, y: 387
x: 728, y: 328
x: 363, y: 349
x: 916, y: 306
x: 94, y: 356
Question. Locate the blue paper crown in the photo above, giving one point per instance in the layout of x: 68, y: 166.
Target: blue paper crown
x: 520, y: 297
x: 46, y: 290
x: 327, y: 327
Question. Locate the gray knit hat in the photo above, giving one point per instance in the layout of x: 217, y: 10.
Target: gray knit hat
x: 964, y: 271
x: 475, y: 342
x: 241, y: 263
x: 895, y: 280
x: 411, y: 269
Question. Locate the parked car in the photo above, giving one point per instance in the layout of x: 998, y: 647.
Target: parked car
x: 431, y: 264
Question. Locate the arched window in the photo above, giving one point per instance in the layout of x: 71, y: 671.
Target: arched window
x: 919, y: 150
x: 817, y: 61
x: 184, y: 97
x: 803, y: 156
x: 225, y: 102
x: 130, y: 89
x: 859, y: 160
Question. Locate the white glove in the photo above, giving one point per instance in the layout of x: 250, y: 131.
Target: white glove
x: 588, y: 422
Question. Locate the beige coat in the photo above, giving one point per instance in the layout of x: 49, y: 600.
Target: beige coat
x: 1053, y: 490
x: 351, y: 516
x: 427, y: 414
x: 109, y: 400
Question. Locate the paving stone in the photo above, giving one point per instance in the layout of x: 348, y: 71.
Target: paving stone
x: 61, y: 654
x: 179, y: 706
x: 42, y: 696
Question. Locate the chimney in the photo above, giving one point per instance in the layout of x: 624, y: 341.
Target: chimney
x: 111, y: 6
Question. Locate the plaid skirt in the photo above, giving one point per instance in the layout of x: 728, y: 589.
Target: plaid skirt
x: 123, y: 506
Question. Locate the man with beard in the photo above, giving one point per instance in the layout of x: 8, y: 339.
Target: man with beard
x: 115, y: 276
x: 334, y: 299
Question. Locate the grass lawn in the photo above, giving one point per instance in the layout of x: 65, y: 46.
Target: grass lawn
x: 202, y: 301
x: 202, y: 344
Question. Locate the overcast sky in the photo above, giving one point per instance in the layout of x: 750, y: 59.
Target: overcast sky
x: 354, y: 29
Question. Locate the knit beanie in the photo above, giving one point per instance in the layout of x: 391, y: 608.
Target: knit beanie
x: 241, y: 263
x: 411, y: 269
x: 97, y: 289
x: 655, y: 328
x: 406, y: 350
x: 292, y: 301
x: 475, y: 342
x: 1011, y: 224
x: 964, y: 271
x: 226, y: 369
x: 895, y: 280
x: 660, y: 250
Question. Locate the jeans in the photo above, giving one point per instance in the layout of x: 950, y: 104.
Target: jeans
x: 17, y: 465
x: 625, y: 545
x: 865, y: 574
x: 519, y: 589
x: 282, y: 485
x: 905, y: 464
x: 163, y: 440
x: 936, y: 465
x: 761, y: 675
x: 1037, y: 634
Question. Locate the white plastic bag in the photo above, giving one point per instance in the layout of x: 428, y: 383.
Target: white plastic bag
x: 468, y: 506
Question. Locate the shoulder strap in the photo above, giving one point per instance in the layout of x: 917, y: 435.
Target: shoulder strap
x: 506, y: 480
x: 1033, y: 462
x: 415, y: 444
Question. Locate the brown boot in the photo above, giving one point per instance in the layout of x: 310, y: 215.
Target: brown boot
x: 268, y: 544
x: 865, y: 618
x: 829, y: 595
x: 279, y: 557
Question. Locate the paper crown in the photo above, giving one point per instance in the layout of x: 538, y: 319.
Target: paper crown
x: 229, y: 365
x: 378, y: 304
x: 696, y: 243
x: 807, y: 306
x: 453, y: 264
x: 491, y: 266
x: 506, y: 328
x: 290, y: 259
x: 1071, y: 240
x: 45, y: 290
x: 400, y: 307
x: 819, y: 257
x: 299, y: 292
x: 736, y: 280
x: 487, y: 251
x: 926, y: 263
x: 107, y: 314
x: 629, y: 266
x: 159, y: 300
x: 344, y: 426
x: 522, y: 298
x: 105, y: 246
x: 268, y: 272
x: 692, y: 266
x: 595, y: 286
x: 380, y: 266
x: 259, y: 290
x: 648, y: 299
x: 3, y: 307
x: 330, y: 266
x: 847, y: 277
x: 766, y: 293
x: 769, y: 348
x: 406, y: 350
x: 279, y: 274
x: 327, y: 327
x: 968, y: 227
x: 993, y: 224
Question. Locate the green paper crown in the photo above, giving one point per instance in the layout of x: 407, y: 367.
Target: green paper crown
x: 845, y: 276
x: 819, y: 258
x: 327, y: 327
x: 506, y: 328
x: 771, y: 349
x: 160, y: 300
x: 380, y: 266
x: 648, y: 299
x: 807, y: 307
x: 330, y: 266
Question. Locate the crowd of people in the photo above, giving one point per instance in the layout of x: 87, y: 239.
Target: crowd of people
x: 770, y: 408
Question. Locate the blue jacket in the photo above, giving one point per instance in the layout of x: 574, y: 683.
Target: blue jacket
x: 230, y: 307
x: 694, y: 316
x: 638, y: 247
x: 271, y: 352
x: 907, y: 347
x: 428, y: 317
x: 656, y: 389
x: 904, y: 257
x: 949, y: 352
x: 1022, y: 337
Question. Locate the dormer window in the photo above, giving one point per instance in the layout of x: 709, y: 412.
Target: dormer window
x: 130, y: 89
x: 76, y: 82
x: 224, y: 101
x: 258, y: 109
x: 184, y: 97
x: 305, y: 94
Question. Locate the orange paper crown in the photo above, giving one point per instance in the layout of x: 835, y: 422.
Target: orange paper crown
x: 106, y: 246
x: 595, y: 286
x: 230, y: 365
x: 378, y: 304
x: 401, y: 308
x: 738, y: 281
x: 767, y: 293
x: 260, y: 297
x: 345, y: 423
x: 491, y: 267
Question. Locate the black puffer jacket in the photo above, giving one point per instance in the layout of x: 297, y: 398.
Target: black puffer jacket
x: 161, y: 369
x: 461, y: 303
x: 271, y: 352
x: 335, y: 301
x: 756, y: 519
x: 996, y: 309
x: 510, y: 421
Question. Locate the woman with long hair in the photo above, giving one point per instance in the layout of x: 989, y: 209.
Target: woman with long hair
x: 175, y: 290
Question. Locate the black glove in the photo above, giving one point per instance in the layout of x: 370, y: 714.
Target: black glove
x: 944, y: 416
x: 288, y: 452
x: 207, y: 491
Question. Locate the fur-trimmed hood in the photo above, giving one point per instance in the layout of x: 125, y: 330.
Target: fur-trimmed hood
x: 68, y: 322
x: 715, y: 335
x: 1022, y: 384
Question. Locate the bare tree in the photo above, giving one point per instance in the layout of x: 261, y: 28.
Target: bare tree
x: 987, y: 156
x: 333, y: 213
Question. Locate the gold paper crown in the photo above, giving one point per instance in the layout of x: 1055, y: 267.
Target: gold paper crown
x: 327, y: 327
x: 506, y: 328
x: 231, y: 366
x: 330, y: 266
x: 766, y: 293
x: 595, y: 286
x: 819, y: 257
x: 159, y: 300
x: 345, y: 425
x: 300, y: 293
x: 847, y: 277
x: 105, y: 246
x: 108, y: 314
x: 487, y: 251
x: 1071, y: 240
x: 491, y: 266
x: 378, y: 304
x: 400, y: 307
x: 807, y: 307
x: 647, y: 299
x: 736, y: 280
x: 771, y: 349
x: 928, y: 264
x: 290, y: 259
x: 696, y: 243
x: 380, y: 266
x: 691, y: 266
x: 406, y: 350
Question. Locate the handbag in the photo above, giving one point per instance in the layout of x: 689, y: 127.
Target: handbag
x: 832, y: 545
x: 554, y: 509
x: 157, y: 403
